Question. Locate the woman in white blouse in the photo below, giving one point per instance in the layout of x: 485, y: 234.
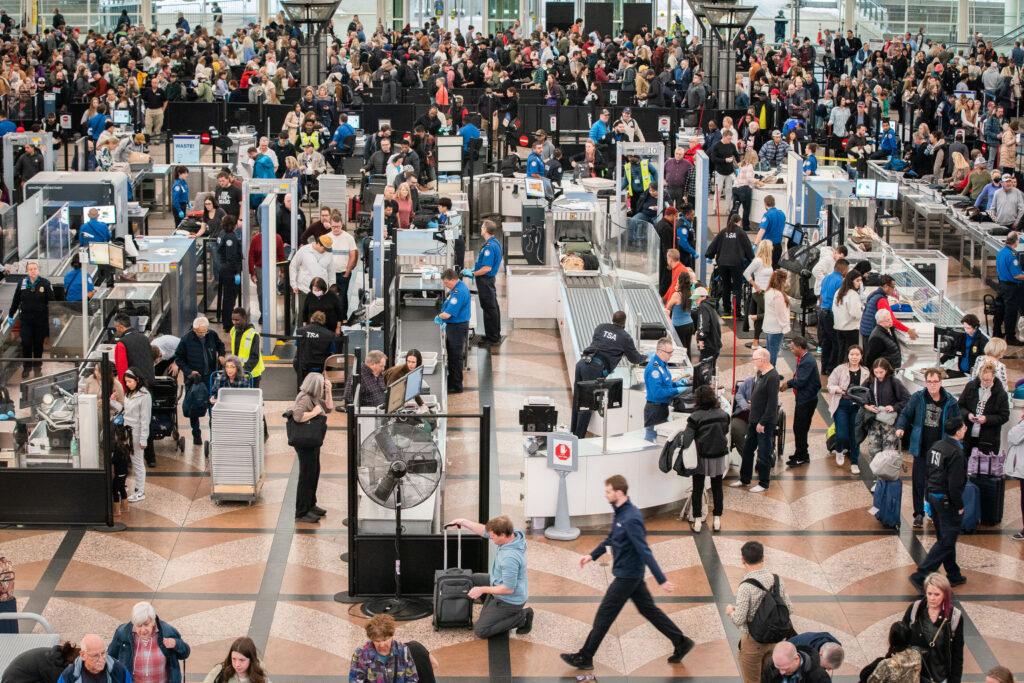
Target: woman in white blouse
x: 758, y: 273
x: 746, y: 181
x: 994, y: 351
x: 847, y: 309
x: 776, y: 312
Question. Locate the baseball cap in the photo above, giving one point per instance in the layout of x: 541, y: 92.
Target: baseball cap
x: 700, y: 292
x: 325, y: 241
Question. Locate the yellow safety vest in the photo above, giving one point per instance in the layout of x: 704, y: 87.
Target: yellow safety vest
x: 313, y: 138
x: 246, y: 347
x: 645, y: 175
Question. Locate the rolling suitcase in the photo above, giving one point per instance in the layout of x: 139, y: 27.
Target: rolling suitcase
x: 972, y: 508
x: 888, y: 500
x: 991, y: 494
x: 452, y: 606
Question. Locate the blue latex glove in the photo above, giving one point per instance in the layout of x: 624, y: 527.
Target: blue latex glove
x: 238, y: 280
x: 680, y: 382
x: 438, y: 320
x: 680, y: 391
x: 10, y: 320
x: 466, y: 272
x: 431, y: 225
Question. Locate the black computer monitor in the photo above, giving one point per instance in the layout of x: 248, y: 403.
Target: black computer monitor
x: 33, y: 391
x: 943, y: 338
x: 590, y: 390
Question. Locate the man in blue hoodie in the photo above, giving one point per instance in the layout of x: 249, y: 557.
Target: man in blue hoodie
x: 94, y: 664
x: 504, y: 590
x: 630, y: 556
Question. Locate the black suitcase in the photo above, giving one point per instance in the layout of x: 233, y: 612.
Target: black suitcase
x: 452, y: 606
x: 991, y: 494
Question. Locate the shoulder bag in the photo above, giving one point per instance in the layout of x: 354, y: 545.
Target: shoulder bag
x: 308, y: 434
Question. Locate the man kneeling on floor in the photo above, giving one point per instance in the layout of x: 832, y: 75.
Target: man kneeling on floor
x: 504, y: 591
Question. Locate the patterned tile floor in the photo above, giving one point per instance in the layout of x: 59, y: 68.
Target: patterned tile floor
x: 218, y: 571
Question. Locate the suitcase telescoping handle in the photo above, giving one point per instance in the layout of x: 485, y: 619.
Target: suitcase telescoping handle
x: 458, y: 544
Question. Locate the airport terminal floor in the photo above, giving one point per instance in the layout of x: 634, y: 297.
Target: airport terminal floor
x: 219, y: 571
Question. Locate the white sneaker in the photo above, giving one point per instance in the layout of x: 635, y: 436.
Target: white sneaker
x: 716, y: 524
x: 854, y: 469
x: 757, y: 489
x: 136, y: 497
x: 840, y: 457
x: 697, y: 524
x: 736, y: 484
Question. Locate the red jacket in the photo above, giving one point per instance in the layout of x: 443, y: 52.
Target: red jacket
x: 256, y: 252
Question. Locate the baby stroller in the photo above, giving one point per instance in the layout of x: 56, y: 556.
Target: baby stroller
x: 164, y: 421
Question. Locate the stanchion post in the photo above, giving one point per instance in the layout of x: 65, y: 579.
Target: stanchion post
x: 484, y: 502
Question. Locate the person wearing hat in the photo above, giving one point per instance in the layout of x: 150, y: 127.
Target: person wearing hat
x: 599, y: 131
x: 629, y: 126
x: 547, y: 152
x: 977, y: 179
x: 310, y: 261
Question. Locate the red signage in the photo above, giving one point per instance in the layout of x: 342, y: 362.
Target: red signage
x: 562, y: 452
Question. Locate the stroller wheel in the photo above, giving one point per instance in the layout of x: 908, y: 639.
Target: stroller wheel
x: 181, y: 444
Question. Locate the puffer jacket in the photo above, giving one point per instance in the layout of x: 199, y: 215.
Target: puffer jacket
x: 1014, y: 465
x: 138, y: 411
x: 709, y: 429
x: 901, y: 667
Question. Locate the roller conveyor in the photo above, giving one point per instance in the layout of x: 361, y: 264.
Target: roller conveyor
x: 645, y: 303
x: 588, y: 300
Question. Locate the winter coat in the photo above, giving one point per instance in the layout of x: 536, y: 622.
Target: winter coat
x: 38, y: 665
x: 122, y: 648
x: 996, y: 412
x: 901, y: 667
x: 882, y: 344
x: 839, y: 382
x: 1014, y: 465
x: 138, y: 411
x: 195, y: 354
x: 912, y: 417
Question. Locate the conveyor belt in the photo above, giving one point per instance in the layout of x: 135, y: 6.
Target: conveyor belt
x: 589, y: 305
x: 645, y: 303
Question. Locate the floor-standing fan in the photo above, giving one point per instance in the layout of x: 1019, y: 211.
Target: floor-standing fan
x: 399, y: 467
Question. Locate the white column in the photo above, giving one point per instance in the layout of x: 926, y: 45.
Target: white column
x: 849, y: 14
x: 963, y: 13
x: 146, y: 13
x: 1011, y: 15
x: 264, y: 13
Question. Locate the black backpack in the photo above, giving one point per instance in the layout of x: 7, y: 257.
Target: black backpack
x: 771, y: 622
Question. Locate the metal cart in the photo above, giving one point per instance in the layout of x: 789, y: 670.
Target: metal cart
x: 236, y: 447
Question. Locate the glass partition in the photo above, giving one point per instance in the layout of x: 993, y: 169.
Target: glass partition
x: 929, y: 304
x: 55, y: 235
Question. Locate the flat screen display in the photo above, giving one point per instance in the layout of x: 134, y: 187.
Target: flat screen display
x: 866, y: 188
x: 122, y: 117
x: 107, y: 213
x: 886, y: 190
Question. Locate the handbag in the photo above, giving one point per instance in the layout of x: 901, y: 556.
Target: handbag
x: 887, y: 465
x: 197, y: 400
x: 989, y: 464
x: 886, y: 417
x: 308, y: 434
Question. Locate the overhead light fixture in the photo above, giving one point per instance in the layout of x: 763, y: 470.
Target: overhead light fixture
x: 726, y: 17
x: 310, y: 11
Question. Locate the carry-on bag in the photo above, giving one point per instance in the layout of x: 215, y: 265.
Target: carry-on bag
x: 452, y: 606
x: 972, y: 508
x: 888, y: 500
x: 991, y: 496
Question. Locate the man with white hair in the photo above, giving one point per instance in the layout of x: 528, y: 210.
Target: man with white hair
x: 150, y: 649
x: 792, y: 664
x: 94, y: 664
x: 882, y: 342
x: 830, y: 651
x: 197, y: 357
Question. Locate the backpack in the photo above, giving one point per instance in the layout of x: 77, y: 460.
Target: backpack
x: 771, y: 622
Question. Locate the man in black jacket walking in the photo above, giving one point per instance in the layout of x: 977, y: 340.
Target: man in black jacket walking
x: 610, y: 343
x: 709, y: 330
x: 947, y: 478
x: 764, y: 413
x: 630, y: 555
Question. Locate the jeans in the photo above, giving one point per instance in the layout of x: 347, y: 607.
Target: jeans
x: 947, y: 530
x: 762, y: 445
x: 698, y: 496
x: 341, y: 280
x: 724, y: 184
x: 497, y: 616
x: 638, y: 231
x: 827, y: 341
x: 919, y: 477
x: 846, y: 427
x: 745, y: 196
x: 774, y: 343
x: 621, y: 590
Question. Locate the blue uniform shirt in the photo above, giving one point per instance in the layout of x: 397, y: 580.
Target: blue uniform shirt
x: 830, y: 284
x: 490, y: 255
x: 7, y: 126
x: 811, y: 164
x: 1007, y: 266
x: 73, y: 284
x: 344, y: 130
x: 468, y: 133
x: 457, y: 304
x: 535, y: 167
x: 96, y: 124
x: 658, y: 381
x: 179, y: 199
x: 773, y: 222
x: 683, y: 228
x: 93, y: 231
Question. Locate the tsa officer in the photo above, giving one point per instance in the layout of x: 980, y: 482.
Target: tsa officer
x: 485, y: 270
x: 180, y: 194
x: 95, y: 230
x: 1011, y: 289
x: 32, y: 298
x: 229, y: 251
x: 607, y: 347
x: 454, y: 316
x: 660, y: 388
x: 535, y: 167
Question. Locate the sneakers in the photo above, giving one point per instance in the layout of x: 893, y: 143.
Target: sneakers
x: 854, y: 469
x: 697, y: 525
x: 528, y: 624
x: 918, y: 582
x: 309, y: 518
x: 736, y: 484
x: 681, y: 650
x: 840, y: 458
x: 1019, y: 536
x: 318, y: 511
x: 577, y: 661
x: 797, y: 462
x: 757, y: 488
x: 137, y: 497
x: 918, y: 521
x: 716, y: 524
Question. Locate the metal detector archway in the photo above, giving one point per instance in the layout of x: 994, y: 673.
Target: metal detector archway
x: 272, y: 188
x: 14, y: 142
